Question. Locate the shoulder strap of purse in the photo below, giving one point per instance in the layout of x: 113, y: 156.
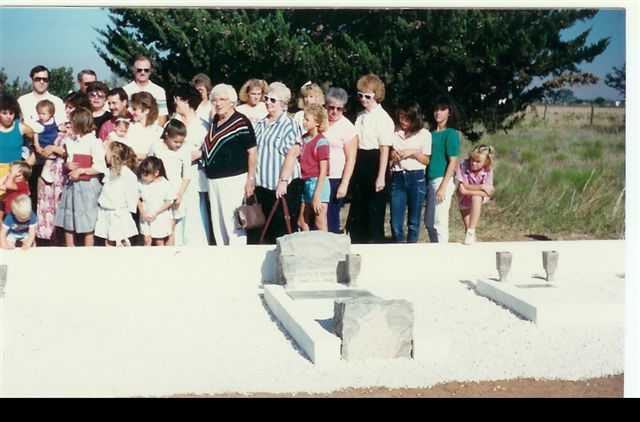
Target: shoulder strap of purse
x: 287, y: 217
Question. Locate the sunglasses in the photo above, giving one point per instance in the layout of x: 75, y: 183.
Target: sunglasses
x: 46, y: 80
x: 334, y: 108
x: 366, y: 96
x: 270, y: 99
x: 96, y: 94
x: 143, y: 70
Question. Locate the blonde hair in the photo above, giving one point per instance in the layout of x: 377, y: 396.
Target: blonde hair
x: 252, y: 83
x: 121, y: 155
x: 486, y: 150
x: 319, y: 114
x: 374, y: 83
x: 310, y: 88
x: 21, y: 207
x: 46, y: 104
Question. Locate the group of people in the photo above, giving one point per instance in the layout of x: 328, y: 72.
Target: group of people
x: 116, y: 165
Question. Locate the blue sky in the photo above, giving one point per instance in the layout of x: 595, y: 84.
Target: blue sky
x: 73, y: 28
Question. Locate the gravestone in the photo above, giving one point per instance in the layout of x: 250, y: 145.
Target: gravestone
x: 315, y: 257
x: 374, y: 328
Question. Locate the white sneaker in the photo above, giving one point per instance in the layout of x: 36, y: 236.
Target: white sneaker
x: 470, y: 238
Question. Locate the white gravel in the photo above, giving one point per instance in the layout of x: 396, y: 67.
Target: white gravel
x: 164, y: 339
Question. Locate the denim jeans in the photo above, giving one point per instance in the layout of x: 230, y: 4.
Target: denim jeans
x: 408, y: 189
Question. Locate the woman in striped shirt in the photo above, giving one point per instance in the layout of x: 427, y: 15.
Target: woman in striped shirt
x: 275, y: 135
x: 229, y: 155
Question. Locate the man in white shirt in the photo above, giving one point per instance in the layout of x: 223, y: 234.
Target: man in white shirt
x: 40, y: 91
x: 142, y: 69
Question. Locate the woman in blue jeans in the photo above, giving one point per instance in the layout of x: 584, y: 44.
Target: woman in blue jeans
x: 408, y: 160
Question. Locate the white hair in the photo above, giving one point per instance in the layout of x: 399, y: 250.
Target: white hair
x: 281, y: 91
x: 225, y: 91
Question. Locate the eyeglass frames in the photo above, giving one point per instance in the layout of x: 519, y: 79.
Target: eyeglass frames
x: 96, y: 94
x: 270, y: 99
x: 39, y: 79
x: 366, y: 96
x: 334, y: 108
x: 143, y: 69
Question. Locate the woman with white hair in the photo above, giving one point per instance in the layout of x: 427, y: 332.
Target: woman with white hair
x: 229, y: 155
x: 275, y: 135
x: 343, y: 143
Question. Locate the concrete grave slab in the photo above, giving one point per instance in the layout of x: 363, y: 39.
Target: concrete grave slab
x: 566, y: 302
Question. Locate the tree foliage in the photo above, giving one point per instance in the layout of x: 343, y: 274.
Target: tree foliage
x: 485, y: 60
x: 617, y: 79
x: 61, y: 82
x: 15, y: 88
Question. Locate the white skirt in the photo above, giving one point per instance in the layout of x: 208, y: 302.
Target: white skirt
x: 115, y: 225
x: 159, y: 228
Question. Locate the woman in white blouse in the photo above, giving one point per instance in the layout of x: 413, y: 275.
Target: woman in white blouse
x: 251, y: 95
x: 343, y: 143
x: 375, y: 129
x: 408, y: 160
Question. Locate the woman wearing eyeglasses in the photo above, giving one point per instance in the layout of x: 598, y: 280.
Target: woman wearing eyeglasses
x: 229, y: 155
x: 343, y: 143
x: 275, y: 135
x: 97, y: 93
x: 375, y: 129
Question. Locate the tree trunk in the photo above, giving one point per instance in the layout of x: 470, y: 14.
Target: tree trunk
x: 591, y: 117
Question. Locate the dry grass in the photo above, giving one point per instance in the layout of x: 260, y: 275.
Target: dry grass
x: 559, y: 179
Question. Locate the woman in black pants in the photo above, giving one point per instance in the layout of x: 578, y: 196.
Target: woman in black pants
x: 375, y: 129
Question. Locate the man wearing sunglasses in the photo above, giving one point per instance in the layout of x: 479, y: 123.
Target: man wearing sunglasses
x: 142, y: 69
x: 40, y: 91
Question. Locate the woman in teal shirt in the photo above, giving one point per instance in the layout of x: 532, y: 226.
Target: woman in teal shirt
x: 445, y: 149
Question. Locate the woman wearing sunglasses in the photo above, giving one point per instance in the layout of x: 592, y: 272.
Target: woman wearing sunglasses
x: 375, y: 129
x: 275, y: 135
x: 343, y: 143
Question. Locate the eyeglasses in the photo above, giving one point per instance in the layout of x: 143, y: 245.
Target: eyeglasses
x: 366, y: 96
x: 334, y: 108
x: 143, y: 70
x: 270, y: 99
x: 97, y: 94
x: 45, y: 80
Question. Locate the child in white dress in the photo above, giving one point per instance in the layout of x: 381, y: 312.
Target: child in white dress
x: 177, y: 163
x: 156, y: 199
x: 119, y: 197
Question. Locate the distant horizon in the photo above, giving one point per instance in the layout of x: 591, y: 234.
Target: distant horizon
x: 47, y: 23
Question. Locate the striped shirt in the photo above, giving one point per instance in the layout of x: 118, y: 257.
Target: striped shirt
x: 274, y: 140
x: 225, y: 151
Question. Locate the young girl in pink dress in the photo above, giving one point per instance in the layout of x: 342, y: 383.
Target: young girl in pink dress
x: 475, y: 187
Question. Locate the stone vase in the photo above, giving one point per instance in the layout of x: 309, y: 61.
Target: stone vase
x: 550, y: 264
x: 503, y: 265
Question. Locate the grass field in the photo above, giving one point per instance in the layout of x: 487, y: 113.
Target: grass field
x: 559, y: 178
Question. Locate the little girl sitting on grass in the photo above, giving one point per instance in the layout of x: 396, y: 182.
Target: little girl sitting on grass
x: 475, y: 187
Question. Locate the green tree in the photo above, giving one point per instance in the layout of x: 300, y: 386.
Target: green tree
x: 485, y: 60
x: 61, y: 81
x: 15, y: 88
x: 617, y: 79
